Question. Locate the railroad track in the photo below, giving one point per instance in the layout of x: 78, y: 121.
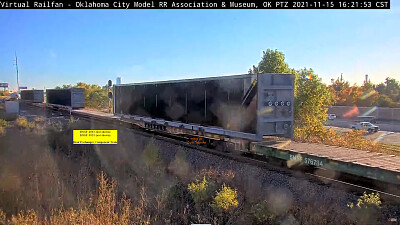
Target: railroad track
x: 350, y: 183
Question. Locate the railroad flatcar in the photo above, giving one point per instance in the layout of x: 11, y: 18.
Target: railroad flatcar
x: 246, y: 106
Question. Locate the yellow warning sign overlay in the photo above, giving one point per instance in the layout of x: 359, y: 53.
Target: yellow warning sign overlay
x: 90, y: 137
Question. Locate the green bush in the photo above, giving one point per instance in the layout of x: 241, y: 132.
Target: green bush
x: 179, y: 166
x: 3, y: 123
x: 261, y: 213
x: 198, y: 190
x: 385, y: 101
x: 152, y: 162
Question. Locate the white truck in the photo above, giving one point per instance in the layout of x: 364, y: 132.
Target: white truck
x: 331, y: 116
x: 367, y: 126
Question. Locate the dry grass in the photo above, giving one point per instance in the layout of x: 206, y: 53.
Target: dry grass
x: 105, y: 207
x: 38, y: 124
x: 23, y: 123
x: 3, y: 125
x: 101, y: 209
x: 57, y: 185
x: 104, y: 110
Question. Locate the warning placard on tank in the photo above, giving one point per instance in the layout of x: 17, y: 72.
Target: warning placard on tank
x: 90, y: 137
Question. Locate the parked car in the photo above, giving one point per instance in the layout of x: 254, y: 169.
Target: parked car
x: 331, y: 116
x: 371, y: 128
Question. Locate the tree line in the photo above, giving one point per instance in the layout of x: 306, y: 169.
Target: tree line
x: 313, y: 97
x: 385, y: 94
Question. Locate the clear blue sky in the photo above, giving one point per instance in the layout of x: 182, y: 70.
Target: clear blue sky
x: 57, y: 47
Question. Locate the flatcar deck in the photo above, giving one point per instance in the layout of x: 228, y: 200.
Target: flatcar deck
x: 368, y: 164
x: 95, y: 113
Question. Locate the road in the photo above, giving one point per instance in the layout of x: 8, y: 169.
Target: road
x: 386, y: 137
x: 393, y: 126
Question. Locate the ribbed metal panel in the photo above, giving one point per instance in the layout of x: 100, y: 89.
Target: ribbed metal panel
x: 36, y: 96
x: 71, y: 97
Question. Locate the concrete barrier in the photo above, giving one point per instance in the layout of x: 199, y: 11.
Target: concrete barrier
x: 380, y: 113
x: 12, y: 107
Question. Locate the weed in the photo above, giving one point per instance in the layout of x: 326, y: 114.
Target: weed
x: 225, y: 199
x: 367, y: 210
x: 2, y: 217
x: 198, y: 190
x: 179, y: 166
x: 261, y: 213
x: 25, y: 218
x: 72, y: 120
x: 101, y: 209
x: 152, y: 159
x: 39, y: 120
x: 368, y: 200
x: 3, y: 123
x: 22, y: 122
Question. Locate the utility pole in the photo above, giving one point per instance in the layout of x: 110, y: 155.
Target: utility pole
x: 16, y: 66
x: 109, y: 85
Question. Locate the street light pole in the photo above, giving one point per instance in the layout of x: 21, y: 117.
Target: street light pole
x: 109, y: 84
x: 16, y: 65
